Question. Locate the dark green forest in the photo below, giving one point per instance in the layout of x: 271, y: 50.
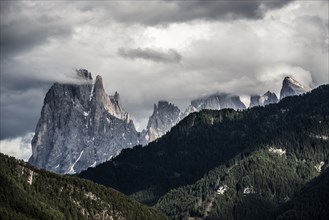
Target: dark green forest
x: 311, y: 202
x: 184, y: 172
x: 29, y: 193
x: 255, y: 186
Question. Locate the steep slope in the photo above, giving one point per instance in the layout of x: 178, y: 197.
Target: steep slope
x: 30, y: 193
x: 267, y: 98
x: 256, y: 181
x: 165, y: 116
x: 311, y: 202
x: 209, y: 139
x: 250, y: 186
x: 80, y: 126
x: 291, y: 87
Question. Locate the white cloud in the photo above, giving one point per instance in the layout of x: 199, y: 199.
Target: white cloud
x: 19, y: 147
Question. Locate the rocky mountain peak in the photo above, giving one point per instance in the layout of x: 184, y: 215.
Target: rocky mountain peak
x: 99, y: 87
x: 116, y: 96
x: 262, y: 100
x: 111, y: 103
x: 165, y: 115
x: 81, y: 126
x: 164, y: 104
x: 290, y: 81
x: 217, y: 102
x: 84, y: 74
x: 292, y: 87
x: 270, y: 97
x: 269, y: 93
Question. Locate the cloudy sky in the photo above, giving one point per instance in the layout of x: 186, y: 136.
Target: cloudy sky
x: 154, y: 50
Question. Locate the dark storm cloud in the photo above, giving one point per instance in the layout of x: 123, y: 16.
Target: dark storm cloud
x: 21, y: 97
x: 165, y: 11
x: 23, y: 28
x: 20, y: 111
x: 16, y: 82
x: 170, y: 56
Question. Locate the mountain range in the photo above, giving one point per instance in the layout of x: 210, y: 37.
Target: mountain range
x: 213, y: 161
x: 81, y: 126
x: 230, y: 164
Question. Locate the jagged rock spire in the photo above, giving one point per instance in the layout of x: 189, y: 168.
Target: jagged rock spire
x: 292, y: 87
x: 267, y: 98
x: 84, y: 74
x: 165, y: 116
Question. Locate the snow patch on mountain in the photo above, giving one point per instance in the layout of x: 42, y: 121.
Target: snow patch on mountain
x: 71, y: 171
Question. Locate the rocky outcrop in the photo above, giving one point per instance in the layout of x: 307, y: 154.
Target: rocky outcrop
x: 81, y: 126
x: 218, y: 101
x: 165, y: 116
x: 291, y: 87
x: 215, y: 102
x: 262, y: 100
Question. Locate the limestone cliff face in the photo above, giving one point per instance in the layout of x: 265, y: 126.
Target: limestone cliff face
x: 215, y: 102
x: 81, y: 126
x: 292, y: 87
x: 165, y: 116
x: 262, y: 100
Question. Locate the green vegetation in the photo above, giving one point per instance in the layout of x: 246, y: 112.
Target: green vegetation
x: 29, y: 193
x: 211, y: 149
x: 255, y: 186
x: 311, y: 202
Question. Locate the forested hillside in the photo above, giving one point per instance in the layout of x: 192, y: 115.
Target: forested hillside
x: 272, y: 150
x: 252, y: 187
x: 311, y: 202
x: 29, y: 193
